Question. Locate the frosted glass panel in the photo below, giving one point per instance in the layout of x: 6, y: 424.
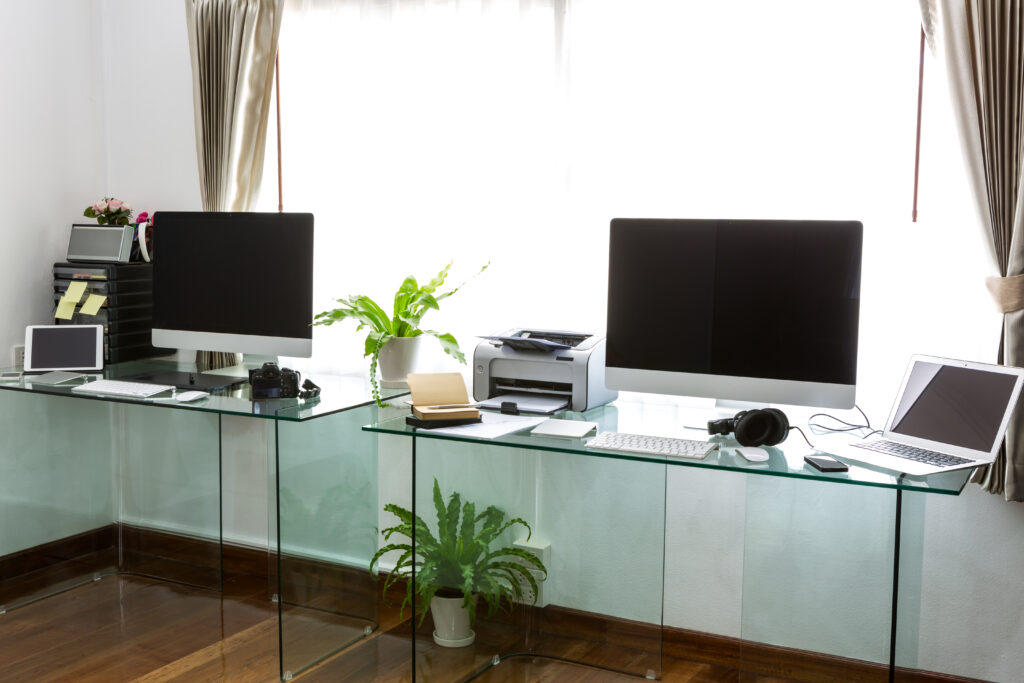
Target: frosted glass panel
x: 169, y: 474
x: 327, y: 483
x: 818, y: 570
x: 55, y: 483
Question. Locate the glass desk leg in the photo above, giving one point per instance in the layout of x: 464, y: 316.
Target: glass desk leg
x: 169, y: 473
x: 326, y: 506
x: 819, y: 570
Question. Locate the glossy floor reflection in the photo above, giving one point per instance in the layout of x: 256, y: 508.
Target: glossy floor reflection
x: 127, y: 628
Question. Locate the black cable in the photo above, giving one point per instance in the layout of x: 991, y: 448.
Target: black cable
x: 866, y: 420
x: 803, y: 435
x: 850, y: 426
x: 876, y: 431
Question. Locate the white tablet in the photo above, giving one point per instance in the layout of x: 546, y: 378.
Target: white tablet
x: 63, y: 347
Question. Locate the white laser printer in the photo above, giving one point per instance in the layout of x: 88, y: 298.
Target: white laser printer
x: 540, y: 371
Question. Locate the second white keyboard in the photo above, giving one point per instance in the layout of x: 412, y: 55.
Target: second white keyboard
x: 652, y: 445
x: 113, y: 387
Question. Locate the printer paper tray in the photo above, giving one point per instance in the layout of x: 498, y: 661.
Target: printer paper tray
x: 519, y: 389
x: 527, y: 403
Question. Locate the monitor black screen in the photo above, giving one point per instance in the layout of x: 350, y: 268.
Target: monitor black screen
x: 777, y: 300
x: 234, y: 273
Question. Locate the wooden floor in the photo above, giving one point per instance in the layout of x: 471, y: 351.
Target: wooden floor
x: 125, y: 628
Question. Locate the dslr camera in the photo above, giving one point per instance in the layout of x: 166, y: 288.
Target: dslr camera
x: 271, y: 381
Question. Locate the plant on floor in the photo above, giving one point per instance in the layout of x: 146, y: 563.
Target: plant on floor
x: 460, y: 556
x: 411, y: 303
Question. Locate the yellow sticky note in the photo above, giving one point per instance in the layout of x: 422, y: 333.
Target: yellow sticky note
x: 92, y: 304
x: 75, y: 291
x: 65, y: 309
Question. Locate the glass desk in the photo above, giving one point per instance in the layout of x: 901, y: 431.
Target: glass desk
x: 774, y: 568
x: 95, y: 486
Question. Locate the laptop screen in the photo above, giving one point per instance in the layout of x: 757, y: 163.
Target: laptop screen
x: 953, y: 405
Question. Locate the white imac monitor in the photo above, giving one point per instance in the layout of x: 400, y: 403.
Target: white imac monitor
x: 234, y: 282
x: 764, y: 311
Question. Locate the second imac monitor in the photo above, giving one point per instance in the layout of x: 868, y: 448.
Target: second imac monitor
x: 747, y: 310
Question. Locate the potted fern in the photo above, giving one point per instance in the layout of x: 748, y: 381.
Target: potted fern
x: 457, y: 567
x: 394, y: 340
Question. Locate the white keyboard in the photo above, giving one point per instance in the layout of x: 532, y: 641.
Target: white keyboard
x: 652, y: 445
x: 113, y: 387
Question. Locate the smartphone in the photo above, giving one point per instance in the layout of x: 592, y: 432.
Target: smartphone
x: 826, y: 463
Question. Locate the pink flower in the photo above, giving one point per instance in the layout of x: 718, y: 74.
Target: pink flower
x: 100, y: 206
x: 142, y: 217
x: 115, y: 204
x: 126, y: 207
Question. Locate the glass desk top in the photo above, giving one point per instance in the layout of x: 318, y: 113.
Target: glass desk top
x: 663, y: 416
x: 338, y: 393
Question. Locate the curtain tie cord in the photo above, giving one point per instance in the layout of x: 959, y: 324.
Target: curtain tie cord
x: 1008, y: 292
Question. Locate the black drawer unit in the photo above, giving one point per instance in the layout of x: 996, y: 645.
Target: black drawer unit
x: 127, y: 311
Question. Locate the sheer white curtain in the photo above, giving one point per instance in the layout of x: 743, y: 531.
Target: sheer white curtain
x: 512, y: 131
x: 418, y: 133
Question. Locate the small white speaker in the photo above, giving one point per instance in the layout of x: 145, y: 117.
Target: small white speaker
x: 101, y: 243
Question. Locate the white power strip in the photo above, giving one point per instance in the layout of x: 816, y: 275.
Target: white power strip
x: 18, y: 355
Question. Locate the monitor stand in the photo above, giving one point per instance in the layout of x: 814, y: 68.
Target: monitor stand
x: 729, y: 408
x: 187, y: 380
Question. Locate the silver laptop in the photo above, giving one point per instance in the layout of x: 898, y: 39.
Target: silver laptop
x: 948, y: 415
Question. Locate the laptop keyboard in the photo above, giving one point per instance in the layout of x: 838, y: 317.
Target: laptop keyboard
x: 920, y: 455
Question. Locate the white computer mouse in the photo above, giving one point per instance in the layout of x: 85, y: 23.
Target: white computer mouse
x: 753, y: 454
x: 189, y: 396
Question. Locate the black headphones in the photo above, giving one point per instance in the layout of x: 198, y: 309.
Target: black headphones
x: 760, y: 427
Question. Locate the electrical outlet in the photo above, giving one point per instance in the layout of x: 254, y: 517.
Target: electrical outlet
x: 18, y: 355
x: 543, y: 552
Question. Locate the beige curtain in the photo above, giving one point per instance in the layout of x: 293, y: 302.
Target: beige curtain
x: 982, y: 43
x: 233, y: 44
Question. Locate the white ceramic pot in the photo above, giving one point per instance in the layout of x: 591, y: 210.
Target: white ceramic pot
x: 397, y: 359
x: 451, y: 622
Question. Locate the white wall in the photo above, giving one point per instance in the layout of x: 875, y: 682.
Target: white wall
x: 54, y: 148
x: 151, y: 151
x: 69, y: 144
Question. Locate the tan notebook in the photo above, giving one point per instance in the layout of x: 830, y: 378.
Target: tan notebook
x: 440, y: 396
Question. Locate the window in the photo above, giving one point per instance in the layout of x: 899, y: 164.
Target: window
x: 420, y: 131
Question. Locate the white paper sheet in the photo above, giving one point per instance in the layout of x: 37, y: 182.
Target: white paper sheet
x: 493, y: 426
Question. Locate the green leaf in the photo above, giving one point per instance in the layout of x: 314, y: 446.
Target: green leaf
x: 360, y: 307
x: 466, y: 532
x: 90, y: 212
x: 447, y: 533
x: 526, y: 555
x: 438, y: 279
x: 449, y: 293
x: 440, y: 509
x: 407, y: 291
x: 490, y: 534
x: 375, y: 341
x: 448, y: 343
